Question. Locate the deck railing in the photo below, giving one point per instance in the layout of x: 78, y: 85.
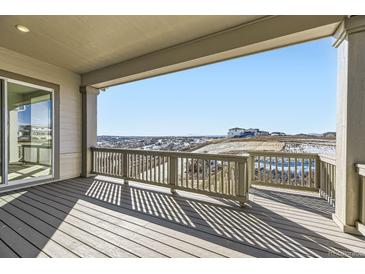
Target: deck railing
x: 292, y: 170
x: 35, y: 154
x: 361, y: 171
x: 223, y: 176
x: 327, y: 188
x: 227, y: 176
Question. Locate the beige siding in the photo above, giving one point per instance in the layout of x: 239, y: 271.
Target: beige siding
x: 70, y: 104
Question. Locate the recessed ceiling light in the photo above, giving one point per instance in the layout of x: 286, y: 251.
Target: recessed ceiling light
x: 22, y: 28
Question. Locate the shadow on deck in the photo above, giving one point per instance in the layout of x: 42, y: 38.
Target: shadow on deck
x: 104, y: 218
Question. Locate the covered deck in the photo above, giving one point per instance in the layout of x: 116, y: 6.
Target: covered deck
x: 104, y: 217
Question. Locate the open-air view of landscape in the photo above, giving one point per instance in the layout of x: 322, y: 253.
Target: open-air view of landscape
x: 234, y: 145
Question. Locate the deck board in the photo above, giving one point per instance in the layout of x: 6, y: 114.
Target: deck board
x: 104, y: 218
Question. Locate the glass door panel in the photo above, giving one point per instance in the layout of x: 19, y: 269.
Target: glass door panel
x: 30, y: 126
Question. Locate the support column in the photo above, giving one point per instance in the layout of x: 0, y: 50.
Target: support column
x: 89, y: 126
x: 350, y: 125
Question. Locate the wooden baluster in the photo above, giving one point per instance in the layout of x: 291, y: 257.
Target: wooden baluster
x: 222, y: 178
x: 187, y: 172
x: 181, y: 171
x: 282, y: 170
x: 137, y: 166
x: 101, y: 161
x: 197, y: 174
x: 204, y: 188
x: 209, y: 175
x: 259, y: 169
x: 105, y: 162
x: 289, y: 171
x: 303, y: 171
x: 140, y: 166
x: 270, y: 167
x: 264, y: 169
x: 215, y: 176
x: 159, y: 169
x: 276, y: 170
x: 329, y: 188
x: 148, y: 176
x: 154, y: 167
x: 192, y: 172
x: 96, y: 161
x: 326, y: 188
x: 134, y: 159
x: 310, y: 172
x: 163, y: 169
x: 229, y: 178
x: 113, y: 163
x: 295, y: 170
x: 108, y: 163
x: 334, y: 185
x: 145, y: 160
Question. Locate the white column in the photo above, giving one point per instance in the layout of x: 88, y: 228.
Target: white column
x: 89, y: 126
x: 350, y: 125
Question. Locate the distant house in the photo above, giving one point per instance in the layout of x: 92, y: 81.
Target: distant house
x: 250, y: 132
x: 235, y: 132
x: 262, y: 133
x: 277, y: 133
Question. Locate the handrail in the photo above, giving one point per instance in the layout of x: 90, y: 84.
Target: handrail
x: 170, y: 153
x: 212, y: 174
x: 280, y: 154
x: 330, y: 159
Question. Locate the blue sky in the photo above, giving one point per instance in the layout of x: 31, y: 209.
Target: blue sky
x: 292, y: 89
x: 36, y: 114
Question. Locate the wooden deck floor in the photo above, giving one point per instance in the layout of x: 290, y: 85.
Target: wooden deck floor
x: 104, y: 218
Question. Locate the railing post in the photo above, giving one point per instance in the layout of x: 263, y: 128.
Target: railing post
x: 318, y: 175
x: 125, y: 167
x: 38, y: 154
x: 242, y: 182
x: 172, y: 173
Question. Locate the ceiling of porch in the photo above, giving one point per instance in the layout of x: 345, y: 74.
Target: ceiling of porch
x: 109, y: 50
x: 85, y: 43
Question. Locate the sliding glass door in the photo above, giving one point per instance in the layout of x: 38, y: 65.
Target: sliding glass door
x: 28, y: 149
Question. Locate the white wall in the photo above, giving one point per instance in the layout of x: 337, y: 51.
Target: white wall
x: 70, y: 104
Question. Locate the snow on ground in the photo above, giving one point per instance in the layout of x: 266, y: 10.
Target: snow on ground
x: 327, y: 147
x: 239, y: 148
x: 320, y: 148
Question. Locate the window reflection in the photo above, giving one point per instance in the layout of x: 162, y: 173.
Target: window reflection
x: 29, y: 131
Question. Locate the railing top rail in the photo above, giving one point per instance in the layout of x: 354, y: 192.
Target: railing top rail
x: 207, y: 156
x: 325, y: 158
x: 361, y: 169
x: 330, y: 159
x: 281, y: 154
x: 35, y: 146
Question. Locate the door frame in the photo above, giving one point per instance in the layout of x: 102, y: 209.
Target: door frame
x: 6, y: 77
